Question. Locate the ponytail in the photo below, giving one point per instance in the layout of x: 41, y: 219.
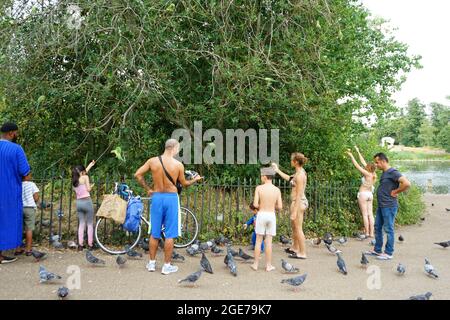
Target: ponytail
x: 76, y: 173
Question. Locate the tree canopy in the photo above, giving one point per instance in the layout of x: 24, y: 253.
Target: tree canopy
x: 127, y: 73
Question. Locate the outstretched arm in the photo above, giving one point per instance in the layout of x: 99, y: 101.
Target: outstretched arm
x: 361, y: 158
x: 90, y: 165
x: 357, y: 166
x: 182, y: 178
x: 282, y: 174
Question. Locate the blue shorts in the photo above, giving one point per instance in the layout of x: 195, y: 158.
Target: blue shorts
x: 165, y: 211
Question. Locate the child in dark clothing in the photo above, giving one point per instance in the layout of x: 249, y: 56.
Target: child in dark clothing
x: 252, y: 221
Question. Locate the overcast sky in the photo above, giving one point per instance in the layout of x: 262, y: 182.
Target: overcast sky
x: 425, y: 26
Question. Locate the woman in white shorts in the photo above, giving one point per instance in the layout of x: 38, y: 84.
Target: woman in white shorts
x: 365, y: 194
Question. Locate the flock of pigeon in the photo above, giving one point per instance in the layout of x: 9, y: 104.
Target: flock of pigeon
x: 297, y: 281
x: 46, y: 276
x: 401, y: 269
x: 214, y: 247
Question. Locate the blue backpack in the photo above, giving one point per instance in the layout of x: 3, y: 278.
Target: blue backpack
x: 134, y: 211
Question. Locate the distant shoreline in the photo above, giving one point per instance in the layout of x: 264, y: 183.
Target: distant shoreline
x: 419, y: 154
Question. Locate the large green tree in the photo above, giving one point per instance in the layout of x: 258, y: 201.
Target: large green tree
x: 123, y: 75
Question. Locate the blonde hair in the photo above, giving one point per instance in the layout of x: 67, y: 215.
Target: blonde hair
x: 299, y: 158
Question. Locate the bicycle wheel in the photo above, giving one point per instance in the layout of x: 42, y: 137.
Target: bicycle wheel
x: 189, y: 228
x: 112, y: 238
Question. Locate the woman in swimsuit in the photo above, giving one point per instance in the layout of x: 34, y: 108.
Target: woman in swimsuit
x: 365, y: 194
x: 299, y: 204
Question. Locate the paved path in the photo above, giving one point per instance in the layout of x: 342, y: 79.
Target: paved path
x: 20, y: 280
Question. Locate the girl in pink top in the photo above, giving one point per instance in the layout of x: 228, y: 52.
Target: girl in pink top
x: 85, y: 207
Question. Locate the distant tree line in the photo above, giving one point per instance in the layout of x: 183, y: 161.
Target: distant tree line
x: 415, y: 128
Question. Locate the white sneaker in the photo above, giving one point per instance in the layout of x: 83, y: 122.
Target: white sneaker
x: 384, y: 256
x: 168, y: 268
x: 151, y: 266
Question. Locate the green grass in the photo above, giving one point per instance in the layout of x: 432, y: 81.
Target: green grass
x: 417, y: 155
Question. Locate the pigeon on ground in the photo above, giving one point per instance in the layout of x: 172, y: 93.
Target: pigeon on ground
x: 332, y: 249
x: 429, y: 269
x: 193, y: 250
x: 401, y: 269
x: 132, y: 253
x: 229, y: 261
x: 192, y: 278
x: 57, y: 245
x: 444, y: 244
x: 144, y: 244
x: 243, y: 255
x: 289, y: 268
x: 210, y: 243
x: 46, y: 276
x: 120, y: 260
x: 425, y: 296
x: 221, y: 240
x: 342, y: 240
x: 361, y: 237
x: 364, y: 260
x: 284, y: 239
x: 341, y: 264
x: 197, y: 242
x: 177, y: 256
x: 316, y: 241
x: 296, y: 281
x: 328, y: 238
x: 216, y: 250
x: 232, y: 266
x: 372, y: 242
x: 228, y: 257
x: 92, y: 259
x: 203, y: 247
x: 72, y: 244
x: 62, y: 292
x: 233, y: 252
x: 38, y: 255
x: 204, y: 263
x: 401, y: 239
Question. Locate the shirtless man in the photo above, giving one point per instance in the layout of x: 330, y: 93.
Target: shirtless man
x: 299, y: 204
x: 267, y: 199
x: 165, y: 201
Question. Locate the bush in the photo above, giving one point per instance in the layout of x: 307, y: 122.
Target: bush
x: 411, y: 206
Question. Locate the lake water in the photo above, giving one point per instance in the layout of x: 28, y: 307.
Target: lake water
x: 420, y: 172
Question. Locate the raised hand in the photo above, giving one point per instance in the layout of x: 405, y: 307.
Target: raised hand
x: 274, y: 166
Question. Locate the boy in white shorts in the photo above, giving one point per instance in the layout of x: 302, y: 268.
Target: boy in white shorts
x: 267, y: 199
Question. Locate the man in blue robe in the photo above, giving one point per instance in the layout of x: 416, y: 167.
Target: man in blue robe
x: 13, y: 166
